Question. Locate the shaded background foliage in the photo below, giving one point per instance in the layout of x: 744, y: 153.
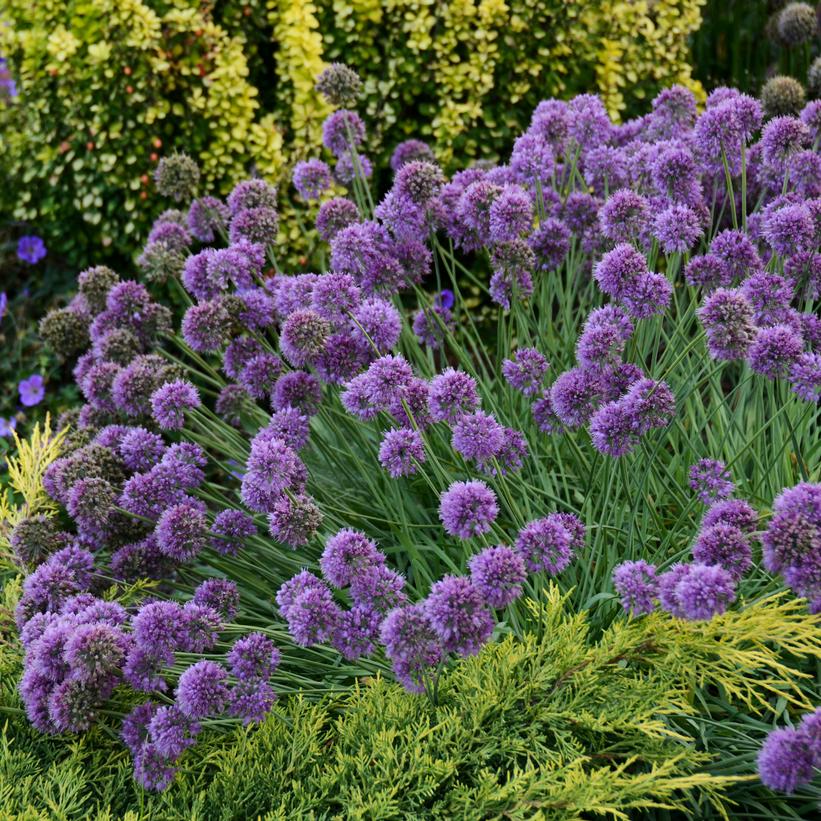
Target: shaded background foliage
x: 106, y: 87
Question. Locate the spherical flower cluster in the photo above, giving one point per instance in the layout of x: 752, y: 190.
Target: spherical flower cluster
x: 401, y: 451
x: 636, y: 583
x: 498, y: 574
x: 711, y: 481
x: 459, y: 615
x: 169, y: 402
x: 526, y: 371
x: 468, y: 509
x: 311, y: 179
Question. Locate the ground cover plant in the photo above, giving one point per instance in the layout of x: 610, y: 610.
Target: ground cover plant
x: 290, y: 484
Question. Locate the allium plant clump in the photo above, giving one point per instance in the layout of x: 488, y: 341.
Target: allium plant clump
x: 316, y: 484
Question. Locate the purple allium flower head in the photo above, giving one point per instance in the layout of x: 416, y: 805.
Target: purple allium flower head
x: 238, y: 353
x: 182, y: 531
x: 152, y: 770
x: 134, y: 731
x: 289, y: 425
x: 343, y: 131
x: 311, y: 179
x: 511, y: 455
x: 356, y: 398
x: 159, y: 627
x: 531, y: 161
x: 143, y: 669
x: 202, y: 625
x: 775, y: 350
x: 674, y: 109
x: 770, y: 296
x: 614, y: 428
x: 718, y: 132
x: 98, y: 384
x: 430, y: 325
x: 31, y: 390
x: 711, y: 481
x: 647, y: 295
x: 256, y: 309
x: 735, y: 512
x: 511, y: 214
x: 735, y: 249
x: 376, y: 322
x: 474, y: 206
x: 400, y: 451
x: 411, y: 644
x: 724, y: 545
x: 512, y: 264
x: 602, y: 341
x: 347, y: 554
x: 805, y: 377
x: 334, y: 216
x: 260, y: 373
x: 297, y: 389
x: 149, y: 494
x: 201, y: 690
x: 548, y: 543
x: 272, y: 467
x: 335, y: 296
x: 90, y: 502
x: 677, y: 229
x: 345, y: 171
x: 477, y: 436
x: 205, y: 325
x: 172, y: 732
x: 605, y: 169
x: 544, y: 416
x: 452, y: 395
x: 187, y: 460
x: 526, y: 371
x: 727, y: 317
x: 220, y: 595
x: 291, y: 292
x: 378, y: 588
x: 410, y: 151
x: 624, y: 215
x: 420, y: 181
x: 313, y: 615
x: 550, y: 121
x: 550, y: 243
x: 791, y: 541
x: 805, y: 173
x: 781, y: 138
x: 257, y: 225
x: 459, y: 615
x: 810, y: 729
x: 785, y: 761
x: 253, y: 656
x: 406, y: 220
x: 251, y: 700
x: 790, y: 230
x: 409, y: 407
x: 72, y: 705
x: 343, y: 358
x: 386, y: 377
x: 575, y: 396
x: 704, y: 591
x: 618, y: 268
x: 674, y: 174
x: 140, y: 449
x: 498, y: 573
x: 652, y: 402
x: 667, y: 583
x: 31, y: 249
x: 207, y: 216
x: 254, y: 193
x: 588, y: 122
x: 303, y: 337
x: 170, y: 401
x: 294, y: 519
x: 811, y: 117
x: 468, y: 509
x: 636, y: 583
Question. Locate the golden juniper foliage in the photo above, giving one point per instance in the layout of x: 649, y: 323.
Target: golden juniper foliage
x: 556, y: 726
x: 25, y: 495
x: 108, y: 86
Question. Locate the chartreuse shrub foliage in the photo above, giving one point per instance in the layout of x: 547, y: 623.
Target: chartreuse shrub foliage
x: 107, y: 86
x: 559, y: 725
